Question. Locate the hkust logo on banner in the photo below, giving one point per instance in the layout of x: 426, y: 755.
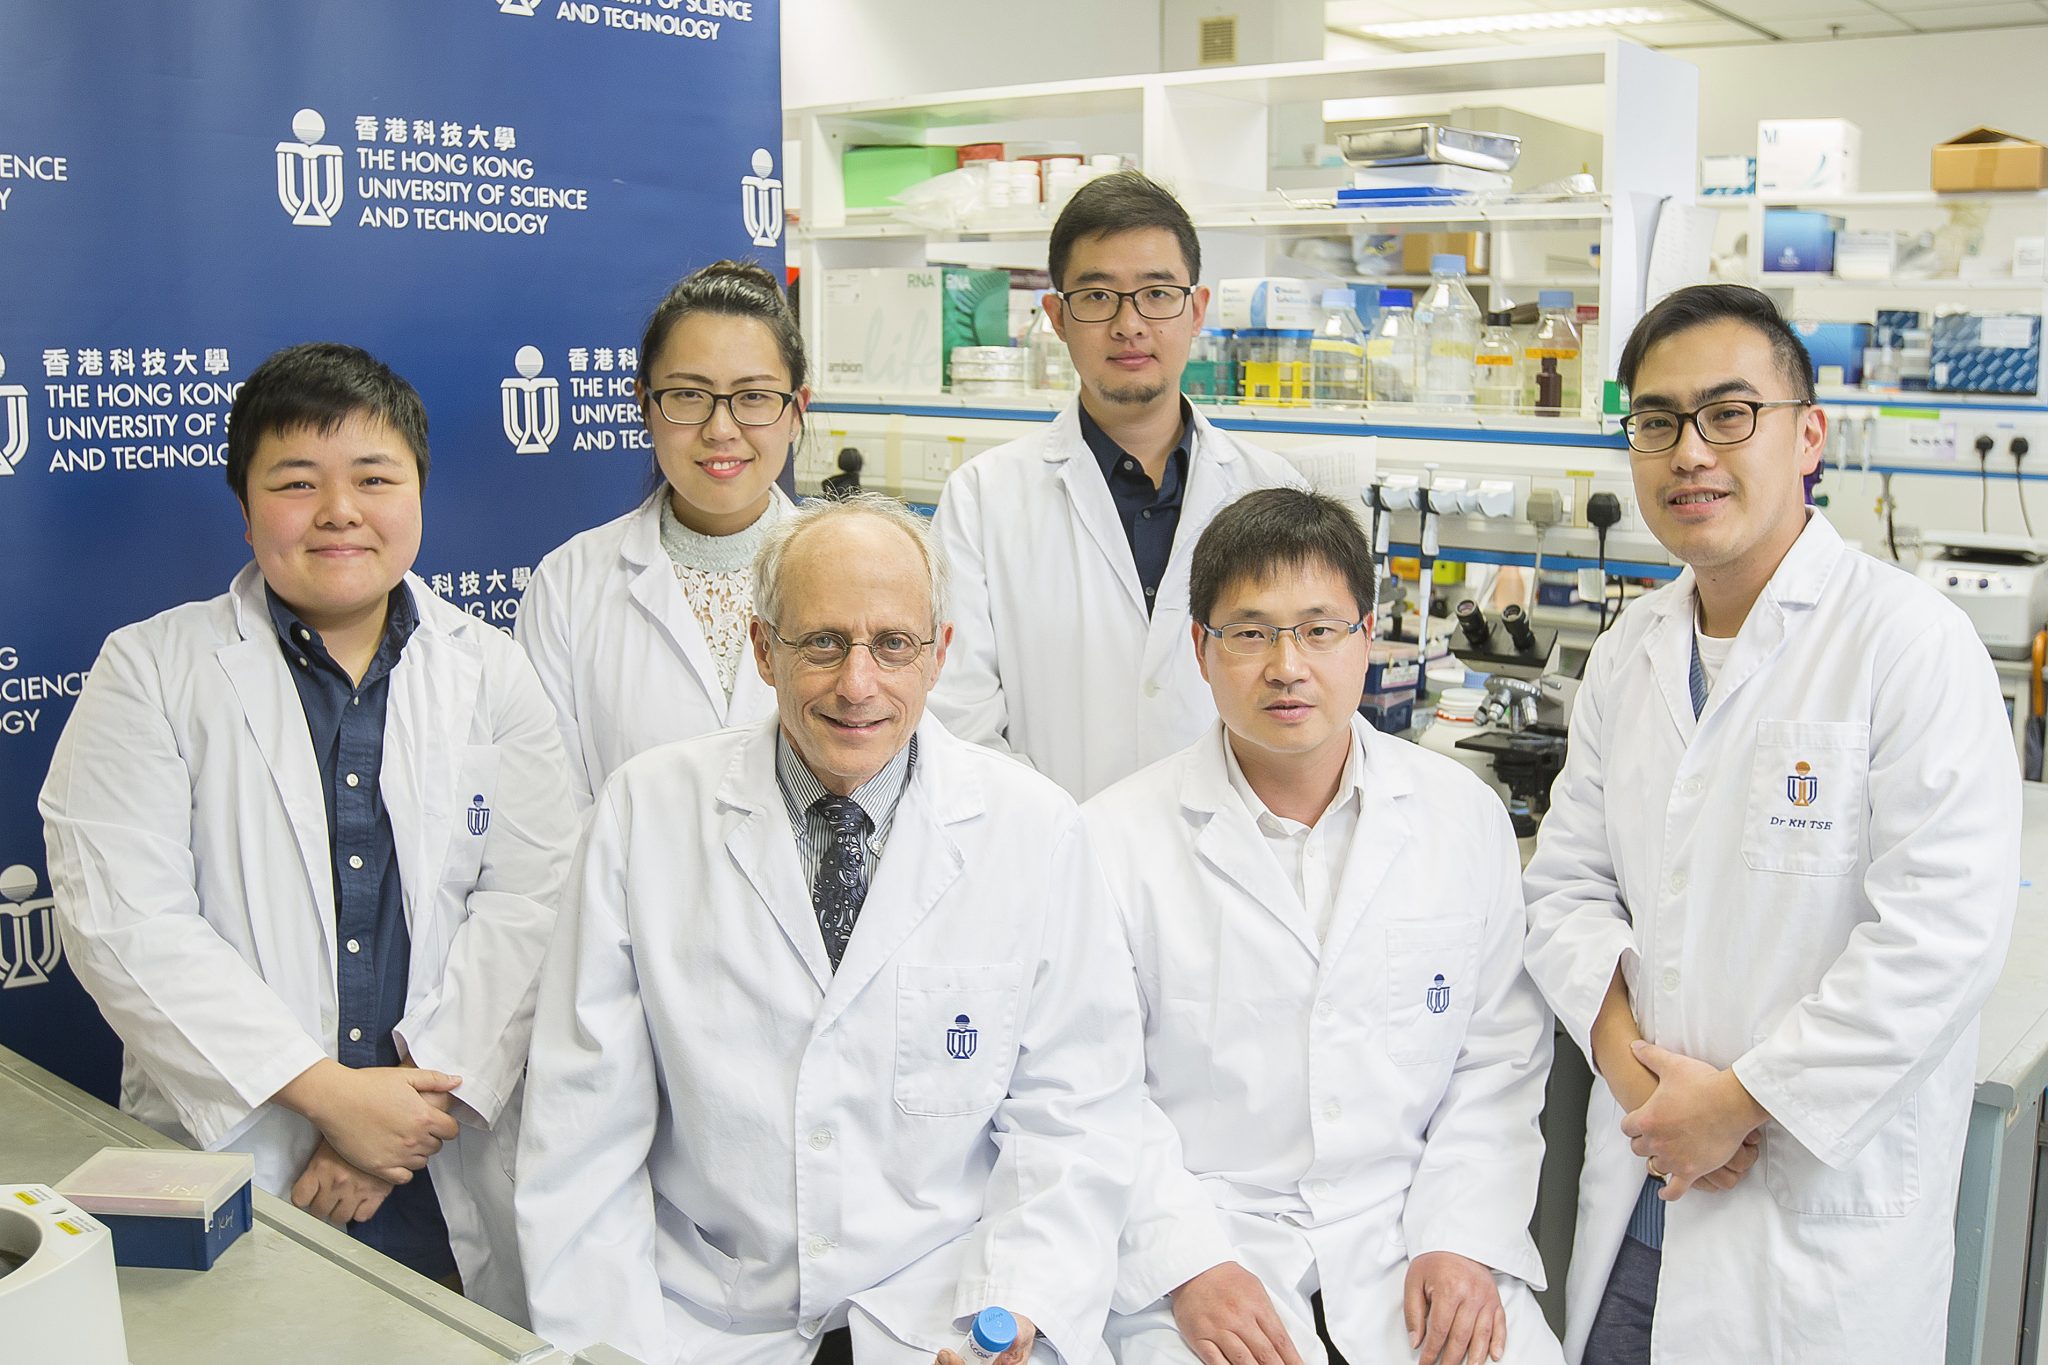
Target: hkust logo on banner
x: 13, y: 423
x: 761, y: 201
x: 531, y: 403
x: 602, y: 410
x: 29, y: 946
x: 309, y: 172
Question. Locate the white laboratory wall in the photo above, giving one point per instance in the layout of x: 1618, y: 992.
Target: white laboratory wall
x: 839, y: 51
x: 1905, y: 94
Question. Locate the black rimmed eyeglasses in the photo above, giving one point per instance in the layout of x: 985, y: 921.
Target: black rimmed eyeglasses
x: 749, y: 407
x: 1156, y: 302
x: 1723, y: 422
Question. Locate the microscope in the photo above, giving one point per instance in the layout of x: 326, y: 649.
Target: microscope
x: 1526, y: 707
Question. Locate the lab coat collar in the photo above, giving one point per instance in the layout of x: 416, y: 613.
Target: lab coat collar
x: 1230, y: 842
x: 653, y: 586
x: 1795, y: 585
x: 438, y: 675
x: 1205, y: 440
x: 923, y: 857
x: 1385, y: 831
x: 1228, y: 839
x: 255, y: 668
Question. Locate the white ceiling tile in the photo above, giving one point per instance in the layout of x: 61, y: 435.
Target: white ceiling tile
x: 1975, y: 16
x: 1846, y: 27
x: 1771, y: 13
x: 1709, y: 33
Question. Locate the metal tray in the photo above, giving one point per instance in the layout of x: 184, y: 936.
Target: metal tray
x: 1419, y: 144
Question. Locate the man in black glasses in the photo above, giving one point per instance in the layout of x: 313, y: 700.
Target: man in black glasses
x: 1772, y: 893
x: 1071, y: 546
x: 1345, y: 1059
x: 837, y: 1046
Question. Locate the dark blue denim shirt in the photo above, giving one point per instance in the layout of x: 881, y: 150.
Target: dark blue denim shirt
x: 1150, y: 515
x: 373, y: 946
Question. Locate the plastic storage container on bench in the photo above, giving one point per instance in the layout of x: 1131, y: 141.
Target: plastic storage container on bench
x: 167, y: 1210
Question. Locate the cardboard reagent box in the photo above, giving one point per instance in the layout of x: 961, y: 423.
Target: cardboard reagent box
x: 1988, y: 159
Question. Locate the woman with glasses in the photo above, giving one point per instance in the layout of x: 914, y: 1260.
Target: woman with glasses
x: 638, y: 627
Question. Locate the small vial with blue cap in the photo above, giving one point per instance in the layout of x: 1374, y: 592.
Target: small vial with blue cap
x: 993, y: 1332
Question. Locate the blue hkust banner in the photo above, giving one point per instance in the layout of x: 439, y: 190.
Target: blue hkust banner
x: 489, y: 195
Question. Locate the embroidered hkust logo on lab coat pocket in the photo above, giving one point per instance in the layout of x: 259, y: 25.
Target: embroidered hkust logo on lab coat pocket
x: 1438, y: 997
x: 1802, y: 785
x: 961, y: 1038
x: 479, y: 815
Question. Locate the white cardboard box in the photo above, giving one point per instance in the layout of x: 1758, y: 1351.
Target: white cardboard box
x: 1807, y: 156
x: 1866, y: 255
x: 880, y: 330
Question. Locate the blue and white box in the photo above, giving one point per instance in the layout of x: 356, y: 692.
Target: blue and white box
x: 1837, y: 345
x: 168, y: 1210
x: 1799, y: 240
x: 1987, y: 353
x: 1727, y: 177
x: 1270, y: 302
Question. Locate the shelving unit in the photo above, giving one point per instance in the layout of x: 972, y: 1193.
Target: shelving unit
x: 2014, y: 214
x: 1210, y: 136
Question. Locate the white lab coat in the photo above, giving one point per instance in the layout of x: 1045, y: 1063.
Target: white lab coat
x: 619, y: 650
x: 1053, y: 656
x: 726, y: 1143
x: 1838, y: 964
x: 1334, y: 1123
x: 189, y: 854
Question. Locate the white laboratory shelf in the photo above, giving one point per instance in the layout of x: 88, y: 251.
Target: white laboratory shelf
x: 1881, y: 199
x: 1209, y: 135
x: 1276, y: 216
x: 1800, y: 279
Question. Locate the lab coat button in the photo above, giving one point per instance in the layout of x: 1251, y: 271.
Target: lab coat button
x: 1151, y: 689
x: 1677, y: 882
x: 821, y: 1139
x: 1319, y: 1188
x: 1671, y: 978
x: 1333, y: 1110
x: 1325, y: 1010
x: 817, y: 1247
x: 1692, y: 786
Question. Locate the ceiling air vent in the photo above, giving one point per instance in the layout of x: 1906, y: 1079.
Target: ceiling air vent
x: 1219, y: 40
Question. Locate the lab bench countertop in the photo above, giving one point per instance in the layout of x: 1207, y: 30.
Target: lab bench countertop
x: 291, y: 1289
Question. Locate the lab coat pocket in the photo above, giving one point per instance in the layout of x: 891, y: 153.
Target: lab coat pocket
x: 956, y: 1033
x: 471, y: 822
x: 1882, y: 1181
x: 1808, y: 783
x: 1431, y: 976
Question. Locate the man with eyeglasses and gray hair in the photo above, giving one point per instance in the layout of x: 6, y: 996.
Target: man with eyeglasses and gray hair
x: 836, y: 1046
x: 1344, y: 1058
x: 1070, y: 548
x: 1772, y: 893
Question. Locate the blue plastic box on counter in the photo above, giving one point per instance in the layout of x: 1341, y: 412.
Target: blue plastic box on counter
x: 1837, y: 344
x: 168, y: 1210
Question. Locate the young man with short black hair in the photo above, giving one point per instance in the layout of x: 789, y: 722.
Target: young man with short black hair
x: 1770, y: 896
x: 1070, y: 548
x: 1344, y: 1058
